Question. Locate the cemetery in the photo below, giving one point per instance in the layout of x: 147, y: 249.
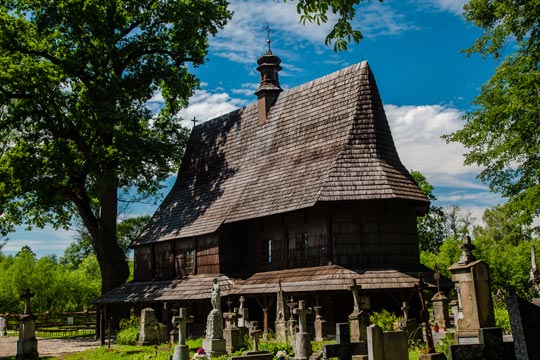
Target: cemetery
x: 292, y: 230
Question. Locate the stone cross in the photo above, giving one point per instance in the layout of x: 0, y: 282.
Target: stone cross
x: 194, y: 121
x: 242, y: 302
x: 354, y: 288
x: 405, y: 309
x: 181, y: 320
x: 302, y: 311
x: 466, y: 255
x: 230, y: 319
x: 26, y: 298
x: 255, y: 334
x: 343, y: 349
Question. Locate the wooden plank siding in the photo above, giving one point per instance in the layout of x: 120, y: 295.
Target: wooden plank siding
x: 354, y: 235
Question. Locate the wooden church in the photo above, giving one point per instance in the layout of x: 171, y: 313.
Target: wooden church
x: 303, y: 189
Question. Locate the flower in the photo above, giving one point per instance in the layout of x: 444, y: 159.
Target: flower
x: 201, y: 354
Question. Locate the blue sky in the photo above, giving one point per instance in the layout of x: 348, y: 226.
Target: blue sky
x: 415, y: 51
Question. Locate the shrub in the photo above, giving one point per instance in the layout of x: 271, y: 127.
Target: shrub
x: 129, y: 331
x: 384, y: 319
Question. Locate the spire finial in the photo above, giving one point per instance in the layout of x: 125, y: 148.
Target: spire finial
x: 268, y: 41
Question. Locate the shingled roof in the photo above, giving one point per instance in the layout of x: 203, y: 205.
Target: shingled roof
x: 327, y: 140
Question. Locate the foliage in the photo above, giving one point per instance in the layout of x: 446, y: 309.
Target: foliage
x: 502, y: 226
x: 123, y: 352
x: 449, y: 253
x: 501, y: 132
x: 56, y: 287
x: 384, y: 319
x: 431, y: 227
x: 129, y: 331
x: 75, y: 127
x: 126, y: 231
x: 502, y: 318
x: 342, y: 33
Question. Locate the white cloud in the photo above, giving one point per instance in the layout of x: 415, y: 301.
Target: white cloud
x: 205, y: 105
x: 243, y: 39
x: 417, y: 132
x: 453, y: 6
x: 41, y: 241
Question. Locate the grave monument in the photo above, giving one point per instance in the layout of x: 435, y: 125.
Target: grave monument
x: 302, y: 348
x: 27, y: 343
x: 181, y: 351
x: 359, y: 318
x: 214, y: 343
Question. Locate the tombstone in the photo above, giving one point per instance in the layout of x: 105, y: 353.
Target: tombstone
x: 476, y: 333
x: 440, y: 310
x: 181, y: 351
x: 214, y: 343
x: 231, y: 333
x: 344, y: 349
x: 243, y: 320
x: 359, y: 318
x: 254, y: 354
x: 302, y: 348
x: 319, y: 325
x: 408, y: 325
x: 149, y: 332
x: 525, y: 323
x: 291, y: 323
x: 390, y: 345
x: 27, y: 348
x: 281, y: 317
x: 474, y: 296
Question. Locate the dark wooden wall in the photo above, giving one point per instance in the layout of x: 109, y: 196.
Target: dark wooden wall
x: 376, y: 234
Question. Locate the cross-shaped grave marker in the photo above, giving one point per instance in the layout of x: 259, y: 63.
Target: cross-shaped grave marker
x: 344, y: 349
x: 26, y: 298
x: 302, y: 311
x: 180, y: 321
x: 255, y: 334
x: 354, y: 288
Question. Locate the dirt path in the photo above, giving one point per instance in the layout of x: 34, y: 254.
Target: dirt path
x: 49, y: 347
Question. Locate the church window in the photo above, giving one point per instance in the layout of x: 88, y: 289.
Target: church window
x: 302, y: 246
x: 190, y: 261
x: 266, y: 250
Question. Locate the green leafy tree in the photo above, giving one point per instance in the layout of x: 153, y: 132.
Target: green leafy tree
x: 342, y: 33
x: 75, y: 79
x: 431, y: 227
x: 501, y: 133
x: 502, y: 225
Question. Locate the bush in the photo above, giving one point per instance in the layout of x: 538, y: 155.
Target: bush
x: 129, y: 331
x: 384, y: 319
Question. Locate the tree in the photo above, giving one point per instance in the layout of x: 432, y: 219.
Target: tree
x: 502, y: 225
x: 126, y: 232
x: 75, y: 78
x: 431, y: 227
x: 501, y: 133
x: 342, y: 33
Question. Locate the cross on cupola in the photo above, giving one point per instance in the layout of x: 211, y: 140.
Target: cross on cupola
x: 269, y: 87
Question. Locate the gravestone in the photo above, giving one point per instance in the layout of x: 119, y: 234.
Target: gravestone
x: 390, y: 345
x: 254, y: 354
x: 281, y: 317
x: 231, y: 333
x: 474, y: 296
x: 525, y: 323
x: 476, y: 335
x: 319, y: 325
x: 408, y: 325
x: 440, y: 310
x: 291, y: 323
x: 181, y: 351
x: 214, y: 343
x: 27, y: 347
x: 150, y: 329
x: 344, y: 349
x: 359, y: 318
x: 302, y: 348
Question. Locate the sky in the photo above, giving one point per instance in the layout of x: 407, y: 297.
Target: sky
x: 415, y: 50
